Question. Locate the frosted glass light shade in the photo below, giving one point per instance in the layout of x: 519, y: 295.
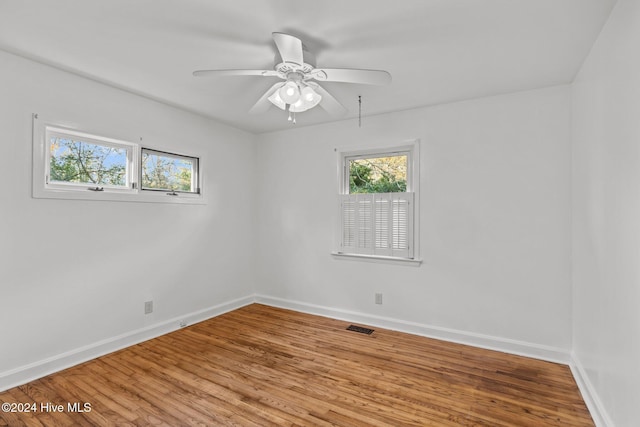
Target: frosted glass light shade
x: 289, y: 93
x: 277, y: 101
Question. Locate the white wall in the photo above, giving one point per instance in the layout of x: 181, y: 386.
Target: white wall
x: 73, y: 273
x: 606, y: 217
x: 494, y: 219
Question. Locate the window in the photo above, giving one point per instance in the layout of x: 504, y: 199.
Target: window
x: 80, y: 161
x: 68, y: 162
x: 384, y: 174
x: 169, y: 172
x: 377, y: 202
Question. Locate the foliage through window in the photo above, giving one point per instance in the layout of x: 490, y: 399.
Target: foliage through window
x: 81, y: 160
x: 169, y: 172
x: 78, y: 161
x: 378, y: 174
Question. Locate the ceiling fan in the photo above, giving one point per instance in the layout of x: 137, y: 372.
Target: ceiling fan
x: 300, y: 91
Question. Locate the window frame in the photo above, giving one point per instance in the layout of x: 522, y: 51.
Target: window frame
x: 131, y: 161
x: 42, y: 188
x: 195, y: 176
x: 412, y: 150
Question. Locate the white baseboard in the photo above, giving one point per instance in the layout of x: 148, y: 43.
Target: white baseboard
x: 505, y: 345
x: 589, y: 394
x: 41, y: 368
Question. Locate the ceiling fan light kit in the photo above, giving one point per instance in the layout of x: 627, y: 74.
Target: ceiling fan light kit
x: 298, y: 93
x: 289, y: 92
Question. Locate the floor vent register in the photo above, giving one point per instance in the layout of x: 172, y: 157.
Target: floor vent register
x: 360, y: 329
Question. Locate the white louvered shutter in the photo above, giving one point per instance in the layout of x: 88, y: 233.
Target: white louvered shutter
x: 348, y: 223
x: 364, y: 220
x: 382, y: 226
x: 402, y: 225
x: 377, y: 224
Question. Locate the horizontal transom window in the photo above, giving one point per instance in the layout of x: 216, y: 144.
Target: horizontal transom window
x: 169, y: 172
x: 84, y: 161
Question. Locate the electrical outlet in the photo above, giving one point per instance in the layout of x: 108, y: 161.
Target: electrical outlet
x: 148, y: 307
x: 378, y: 298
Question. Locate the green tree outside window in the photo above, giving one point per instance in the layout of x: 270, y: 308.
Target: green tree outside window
x: 378, y: 175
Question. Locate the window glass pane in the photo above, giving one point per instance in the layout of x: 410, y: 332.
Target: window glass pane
x: 378, y: 174
x: 74, y: 160
x: 163, y: 171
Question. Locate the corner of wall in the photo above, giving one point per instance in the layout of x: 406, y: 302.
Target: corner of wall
x: 596, y: 408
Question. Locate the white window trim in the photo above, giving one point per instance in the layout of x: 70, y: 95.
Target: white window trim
x: 42, y: 189
x: 412, y: 148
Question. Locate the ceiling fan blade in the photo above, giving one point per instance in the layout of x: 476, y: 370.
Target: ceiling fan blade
x: 328, y: 102
x: 290, y: 48
x: 351, y: 75
x: 263, y: 104
x: 225, y: 73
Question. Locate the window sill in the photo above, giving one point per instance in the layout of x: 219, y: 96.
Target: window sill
x: 132, y: 196
x: 377, y: 259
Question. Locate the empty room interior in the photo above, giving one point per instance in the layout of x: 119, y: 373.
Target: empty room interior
x: 323, y: 213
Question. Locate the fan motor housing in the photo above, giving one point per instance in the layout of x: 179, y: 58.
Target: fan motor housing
x: 308, y: 58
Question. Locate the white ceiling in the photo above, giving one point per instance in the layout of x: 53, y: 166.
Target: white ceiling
x: 437, y: 51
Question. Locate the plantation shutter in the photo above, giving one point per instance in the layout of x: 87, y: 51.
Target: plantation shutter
x: 348, y: 224
x: 377, y: 224
x: 383, y: 224
x: 402, y: 225
x: 364, y: 221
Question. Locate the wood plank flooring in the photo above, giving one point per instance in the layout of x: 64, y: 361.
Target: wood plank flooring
x: 264, y: 366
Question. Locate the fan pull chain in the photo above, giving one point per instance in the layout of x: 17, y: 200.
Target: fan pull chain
x: 292, y: 117
x: 359, y: 111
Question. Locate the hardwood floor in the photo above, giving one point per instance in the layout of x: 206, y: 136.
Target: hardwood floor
x: 261, y: 366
